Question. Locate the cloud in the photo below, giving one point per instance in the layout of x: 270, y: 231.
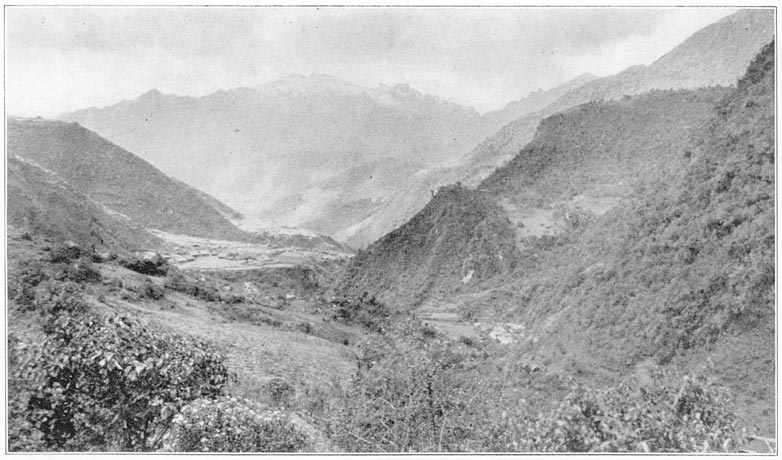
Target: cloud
x: 60, y: 59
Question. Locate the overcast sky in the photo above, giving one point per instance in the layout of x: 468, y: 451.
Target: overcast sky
x: 61, y: 59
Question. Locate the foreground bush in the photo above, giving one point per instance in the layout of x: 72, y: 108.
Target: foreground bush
x: 414, y: 393
x: 113, y: 383
x: 233, y: 425
x: 664, y: 415
x: 425, y: 394
x: 151, y: 264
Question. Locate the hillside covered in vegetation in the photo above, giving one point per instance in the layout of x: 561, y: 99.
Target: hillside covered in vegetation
x: 458, y: 239
x: 681, y: 273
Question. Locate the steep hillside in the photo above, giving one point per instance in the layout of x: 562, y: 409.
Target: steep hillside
x: 41, y: 203
x: 715, y: 55
x: 117, y: 179
x: 605, y: 150
x: 459, y: 239
x: 682, y: 273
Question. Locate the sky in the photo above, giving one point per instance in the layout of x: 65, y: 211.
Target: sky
x: 63, y: 59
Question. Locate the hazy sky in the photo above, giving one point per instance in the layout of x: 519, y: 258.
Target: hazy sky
x: 61, y: 59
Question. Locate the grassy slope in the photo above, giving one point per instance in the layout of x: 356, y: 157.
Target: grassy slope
x: 116, y: 178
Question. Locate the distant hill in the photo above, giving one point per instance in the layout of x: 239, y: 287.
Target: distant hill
x: 459, y: 238
x: 715, y: 55
x: 116, y: 179
x: 41, y: 203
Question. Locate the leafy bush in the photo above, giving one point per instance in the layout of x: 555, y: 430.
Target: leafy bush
x: 151, y: 264
x: 363, y: 309
x: 414, y: 393
x: 57, y: 298
x: 81, y: 272
x: 22, y: 435
x: 663, y: 415
x: 22, y: 283
x: 233, y: 425
x: 115, y: 384
x: 176, y: 281
x: 151, y: 290
x: 280, y: 390
x: 424, y: 394
x: 64, y: 252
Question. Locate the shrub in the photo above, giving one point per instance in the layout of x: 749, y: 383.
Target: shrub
x: 58, y: 298
x: 22, y: 435
x: 429, y: 395
x: 176, y: 281
x: 82, y: 272
x: 115, y: 384
x: 233, y: 425
x: 151, y: 290
x: 410, y: 396
x: 23, y: 281
x: 664, y: 415
x: 281, y: 391
x: 151, y: 264
x: 364, y: 310
x: 64, y: 252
